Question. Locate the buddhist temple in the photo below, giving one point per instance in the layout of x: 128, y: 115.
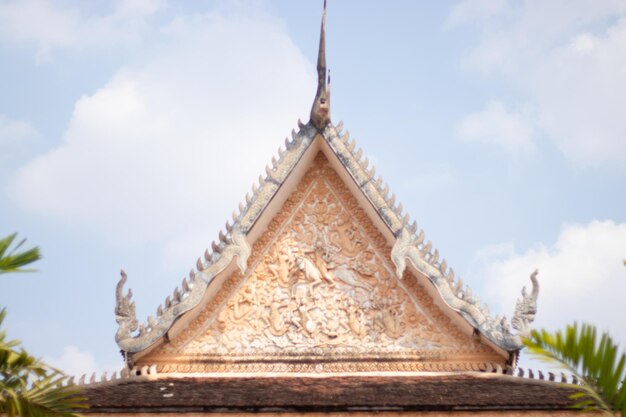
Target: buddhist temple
x: 321, y: 296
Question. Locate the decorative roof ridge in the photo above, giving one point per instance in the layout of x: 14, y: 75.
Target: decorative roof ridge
x: 410, y: 246
x: 150, y: 372
x: 537, y: 375
x: 133, y: 337
x: 146, y: 372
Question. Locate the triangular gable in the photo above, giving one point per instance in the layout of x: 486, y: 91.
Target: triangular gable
x: 267, y: 198
x: 320, y: 294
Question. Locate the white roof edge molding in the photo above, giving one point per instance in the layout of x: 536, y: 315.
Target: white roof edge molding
x: 409, y: 245
x: 131, y: 336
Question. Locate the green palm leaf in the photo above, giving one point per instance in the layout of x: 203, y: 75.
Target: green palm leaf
x: 28, y: 387
x: 13, y: 261
x: 596, y: 363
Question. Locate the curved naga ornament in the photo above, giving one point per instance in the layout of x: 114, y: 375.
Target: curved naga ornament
x: 526, y: 308
x: 124, y: 310
x: 182, y: 301
x: 459, y: 298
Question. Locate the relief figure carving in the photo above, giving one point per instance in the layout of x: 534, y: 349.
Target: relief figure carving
x: 276, y: 323
x: 388, y: 317
x: 318, y: 284
x: 355, y: 319
x: 281, y: 269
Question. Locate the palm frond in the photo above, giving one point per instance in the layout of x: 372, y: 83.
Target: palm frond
x: 12, y: 260
x: 596, y: 363
x: 29, y: 387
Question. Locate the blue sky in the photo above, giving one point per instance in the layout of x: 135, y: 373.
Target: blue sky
x: 129, y: 131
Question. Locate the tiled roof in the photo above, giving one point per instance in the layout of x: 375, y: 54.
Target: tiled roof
x: 419, y: 391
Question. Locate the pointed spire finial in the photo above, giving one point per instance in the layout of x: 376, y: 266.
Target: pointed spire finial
x: 320, y: 112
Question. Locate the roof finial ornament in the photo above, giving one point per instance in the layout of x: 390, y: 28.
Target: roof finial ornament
x: 124, y: 311
x: 526, y: 308
x: 320, y: 112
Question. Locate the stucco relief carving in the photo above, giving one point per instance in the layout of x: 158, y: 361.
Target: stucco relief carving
x: 323, y: 282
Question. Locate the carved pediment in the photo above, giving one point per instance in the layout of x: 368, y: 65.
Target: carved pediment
x: 321, y: 294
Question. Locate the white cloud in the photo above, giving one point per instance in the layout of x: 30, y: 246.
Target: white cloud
x: 472, y: 10
x: 76, y: 362
x: 581, y: 102
x: 14, y: 131
x: 581, y: 275
x: 15, y: 138
x: 567, y: 59
x: 47, y: 25
x: 497, y: 126
x: 164, y: 151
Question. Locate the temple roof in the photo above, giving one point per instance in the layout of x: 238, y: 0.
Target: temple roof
x: 410, y: 251
x: 321, y: 294
x: 471, y: 391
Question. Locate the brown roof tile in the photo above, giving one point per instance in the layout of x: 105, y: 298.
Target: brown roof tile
x: 334, y: 392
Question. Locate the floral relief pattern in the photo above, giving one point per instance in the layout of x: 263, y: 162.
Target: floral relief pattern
x: 320, y: 281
